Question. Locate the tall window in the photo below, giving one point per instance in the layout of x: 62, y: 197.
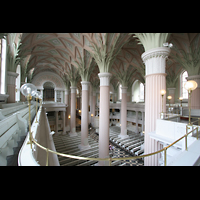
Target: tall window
x: 3, y: 65
x: 183, y: 91
x: 141, y: 91
x: 120, y: 91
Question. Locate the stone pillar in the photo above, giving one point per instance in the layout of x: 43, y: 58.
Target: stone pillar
x: 93, y: 107
x: 123, y: 133
x: 155, y: 62
x: 84, y: 116
x: 64, y: 132
x: 114, y: 97
x: 67, y: 113
x: 55, y: 95
x: 62, y: 98
x: 128, y: 97
x: 11, y: 78
x: 143, y: 121
x: 136, y: 116
x: 104, y: 119
x: 73, y: 112
x: 195, y: 96
x: 56, y: 112
x: 171, y: 92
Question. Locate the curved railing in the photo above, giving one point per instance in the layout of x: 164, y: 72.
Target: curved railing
x: 110, y: 159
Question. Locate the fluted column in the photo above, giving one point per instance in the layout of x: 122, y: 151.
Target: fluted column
x: 155, y: 62
x: 84, y: 116
x: 73, y: 112
x: 104, y: 119
x: 123, y: 133
x: 195, y: 96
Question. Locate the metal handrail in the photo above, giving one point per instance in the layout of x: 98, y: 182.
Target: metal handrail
x: 110, y: 159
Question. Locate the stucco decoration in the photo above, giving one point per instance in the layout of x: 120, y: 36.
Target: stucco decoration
x: 40, y: 79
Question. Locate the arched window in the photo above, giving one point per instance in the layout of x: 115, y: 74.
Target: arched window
x: 141, y: 91
x: 183, y: 91
x: 120, y: 91
x: 137, y: 91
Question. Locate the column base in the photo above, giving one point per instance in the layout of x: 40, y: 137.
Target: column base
x: 123, y: 136
x: 73, y: 134
x: 82, y: 147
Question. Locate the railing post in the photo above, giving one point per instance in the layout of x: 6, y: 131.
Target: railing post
x: 186, y: 142
x: 197, y: 132
x: 165, y: 157
x: 110, y: 161
x: 47, y: 157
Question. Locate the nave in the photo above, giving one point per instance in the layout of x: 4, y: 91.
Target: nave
x: 69, y: 145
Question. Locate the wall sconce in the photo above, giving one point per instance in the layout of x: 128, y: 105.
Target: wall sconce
x: 162, y: 92
x: 181, y: 99
x: 29, y: 90
x: 79, y: 111
x: 169, y: 98
x: 92, y: 115
x: 69, y: 117
x: 190, y: 86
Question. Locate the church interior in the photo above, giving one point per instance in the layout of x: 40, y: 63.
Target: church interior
x: 99, y: 99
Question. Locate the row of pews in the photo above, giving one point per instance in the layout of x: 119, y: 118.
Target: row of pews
x: 69, y: 145
x: 13, y: 128
x: 134, y: 145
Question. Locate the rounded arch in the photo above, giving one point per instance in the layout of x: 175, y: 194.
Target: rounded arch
x: 40, y: 79
x: 49, y: 84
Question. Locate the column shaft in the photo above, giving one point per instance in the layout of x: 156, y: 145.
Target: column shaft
x: 73, y: 113
x: 155, y: 64
x: 104, y: 119
x: 84, y: 116
x: 124, y: 114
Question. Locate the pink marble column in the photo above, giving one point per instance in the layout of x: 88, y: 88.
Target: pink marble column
x: 195, y: 96
x: 123, y: 120
x: 73, y: 112
x: 11, y: 78
x: 67, y: 113
x: 104, y: 119
x: 155, y: 63
x: 93, y: 107
x: 84, y: 116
